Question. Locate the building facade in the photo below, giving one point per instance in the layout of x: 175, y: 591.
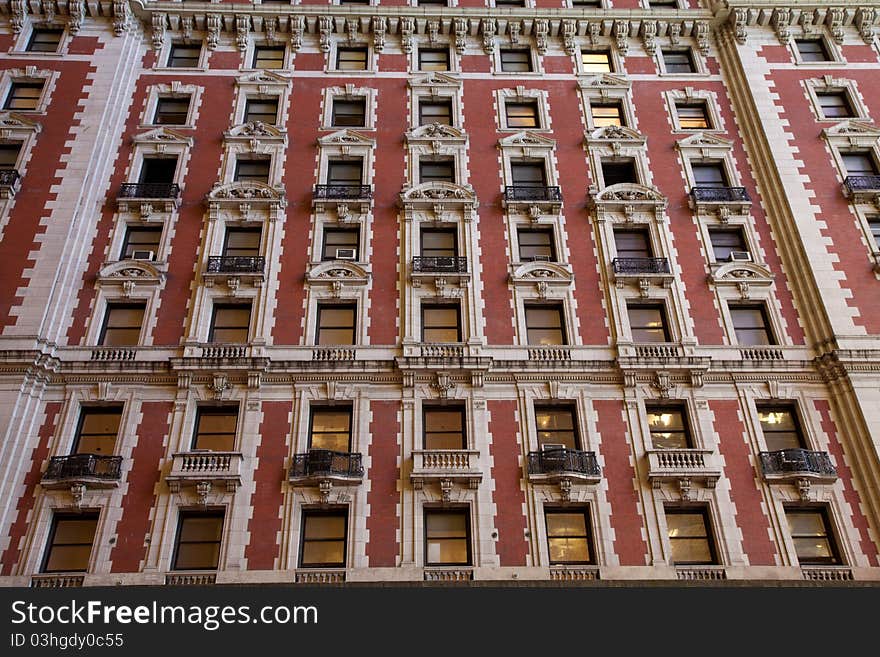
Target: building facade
x: 537, y: 290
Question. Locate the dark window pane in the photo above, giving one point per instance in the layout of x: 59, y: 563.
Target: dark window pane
x: 262, y: 110
x: 323, y: 542
x: 812, y: 536
x: 689, y: 538
x: 351, y: 59
x: 215, y: 428
x: 268, y: 57
x: 859, y: 164
x: 711, y: 174
x: 230, y: 324
x: 159, y: 170
x: 97, y: 431
x: 528, y: 174
x: 172, y: 111
x: 336, y: 325
x: 835, y: 105
x: 435, y: 111
x: 780, y: 427
x: 184, y: 56
x: 516, y: 60
x: 444, y: 428
x: 693, y: 116
x: 447, y: 538
x: 252, y: 170
x: 750, y: 325
x: 632, y: 244
x: 812, y: 50
x: 648, y: 323
x: 44, y: 40
x: 725, y: 241
x: 544, y: 325
x: 9, y: 155
x: 242, y: 242
x: 140, y: 239
x: 23, y: 96
x: 340, y: 243
x: 122, y: 325
x: 678, y: 61
x: 437, y: 171
x: 199, y: 536
x: 615, y: 172
x: 349, y: 113
x: 536, y: 244
x: 70, y: 543
x: 438, y: 243
x: 669, y: 428
x: 522, y: 114
x: 331, y: 429
x: 344, y: 172
x: 556, y: 426
x: 433, y: 59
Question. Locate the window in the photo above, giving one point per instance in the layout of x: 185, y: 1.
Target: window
x: 617, y: 171
x: 725, y: 242
x: 97, y: 430
x: 709, y: 174
x: 268, y: 57
x: 586, y: 3
x: 330, y: 428
x: 663, y: 4
x: 510, y: 3
x: 44, y: 40
x: 528, y: 174
x: 536, y: 244
x: 689, y: 539
x: 556, y: 426
x: 199, y: 535
x: 605, y: 114
x: 264, y: 110
x: 433, y: 3
x: 253, y: 170
x: 781, y: 427
x: 341, y: 243
x: 859, y: 163
x: 438, y: 243
x: 568, y: 536
x: 750, y: 325
x: 447, y: 538
x: 812, y: 536
x: 678, y: 61
x: 544, y: 325
x: 437, y: 170
x: 242, y: 242
x: 444, y: 428
x: 812, y: 50
x: 184, y: 56
x: 323, y: 539
x: 596, y: 61
x: 874, y: 225
x: 440, y: 323
x: 171, y: 110
x: 349, y: 112
x: 70, y: 543
x: 354, y: 2
x: 9, y: 155
x: 669, y: 427
x: 215, y: 428
x: 632, y: 244
x: 351, y: 59
x: 122, y: 325
x: 345, y: 172
x: 158, y: 170
x: 435, y: 111
x: 522, y: 114
x: 835, y: 105
x: 647, y: 323
x: 141, y: 240
x: 516, y: 60
x: 23, y: 96
x: 230, y: 324
x: 433, y: 59
x: 336, y: 324
x: 693, y: 116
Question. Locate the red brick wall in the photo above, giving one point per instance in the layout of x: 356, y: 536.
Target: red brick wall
x: 507, y: 473
x: 383, y: 497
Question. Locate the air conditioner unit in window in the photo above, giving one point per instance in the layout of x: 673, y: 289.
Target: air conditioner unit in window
x: 143, y: 255
x: 346, y: 254
x: 541, y: 258
x: 740, y: 256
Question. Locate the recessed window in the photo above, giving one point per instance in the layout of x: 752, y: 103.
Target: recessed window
x: 835, y: 105
x: 536, y: 244
x: 158, y: 170
x: 619, y: 170
x: 434, y: 59
x: 528, y: 174
x: 340, y: 244
x: 693, y: 116
x: 97, y: 430
x: 556, y: 427
x: 23, y: 96
x: 632, y: 244
x: 9, y: 156
x: 516, y: 60
x: 122, y: 325
x: 812, y: 536
x: 184, y: 55
x: 859, y: 163
x: 330, y: 428
x: 242, y: 242
x: 323, y: 539
x: 44, y: 40
x: 447, y: 538
x: 351, y: 59
x: 443, y: 427
x: 437, y: 170
x: 345, y: 172
x: 607, y: 113
x: 647, y: 323
x: 268, y: 57
x: 336, y: 324
x: 171, y: 110
x: 678, y: 61
x: 544, y: 325
x: 438, y: 243
x: 353, y: 2
x: 441, y: 323
x: 69, y: 548
x: 812, y: 50
x: 750, y: 325
x: 874, y: 225
x: 199, y: 536
x: 230, y: 324
x: 568, y: 536
x: 780, y: 427
x: 522, y: 114
x: 215, y: 428
x: 690, y: 539
x: 264, y: 110
x: 669, y: 427
x: 435, y: 111
x: 349, y: 112
x: 586, y: 3
x: 596, y: 61
x: 432, y: 3
x: 252, y: 170
x: 510, y: 3
x: 709, y: 174
x: 727, y: 241
x: 141, y: 243
x: 663, y: 4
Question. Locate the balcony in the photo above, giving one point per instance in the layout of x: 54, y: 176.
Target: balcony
x: 235, y: 269
x: 148, y: 198
x: 439, y: 270
x: 722, y: 200
x: 642, y: 272
x: 10, y: 180
x: 325, y: 468
x: 89, y: 470
x: 534, y: 200
x: 343, y: 198
x: 446, y: 466
x: 797, y: 466
x: 563, y: 466
x: 682, y: 466
x: 862, y: 189
x: 204, y: 470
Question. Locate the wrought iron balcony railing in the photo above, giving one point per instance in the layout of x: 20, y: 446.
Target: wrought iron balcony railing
x: 640, y: 265
x: 236, y: 264
x: 720, y: 195
x: 92, y: 466
x: 527, y: 193
x: 9, y: 177
x: 327, y: 463
x: 149, y: 190
x: 342, y: 192
x: 862, y: 183
x: 563, y: 461
x: 440, y: 264
x: 797, y: 462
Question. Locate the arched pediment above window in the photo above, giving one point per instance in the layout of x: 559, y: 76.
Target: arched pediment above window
x: 443, y: 199
x: 245, y: 197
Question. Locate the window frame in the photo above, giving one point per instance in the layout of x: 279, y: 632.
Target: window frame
x: 114, y: 409
x: 336, y: 408
x: 260, y: 48
x: 204, y: 410
x: 25, y: 84
x: 791, y: 408
x: 38, y: 29
x: 460, y: 409
x: 533, y: 63
x: 830, y: 536
x: 317, y: 512
x: 185, y: 44
x: 468, y: 537
x: 670, y: 407
x: 556, y: 407
x: 224, y: 306
x: 548, y: 229
x: 337, y: 59
x: 419, y: 63
x: 58, y: 516
x: 613, y: 64
x: 337, y: 229
x: 185, y: 514
x: 360, y: 100
x: 559, y: 308
x: 664, y: 315
x: 532, y: 103
x: 330, y: 305
x: 250, y: 98
x: 708, y: 527
x: 123, y: 305
x: 765, y: 316
x: 694, y: 59
x: 160, y: 98
x: 588, y: 536
x: 831, y: 53
x: 431, y: 305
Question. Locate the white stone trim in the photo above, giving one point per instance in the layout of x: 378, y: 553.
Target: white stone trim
x: 176, y: 90
x: 831, y: 84
x: 697, y: 58
x: 349, y: 92
x: 29, y: 74
x: 687, y: 95
x: 261, y: 85
x: 523, y: 94
x: 439, y: 86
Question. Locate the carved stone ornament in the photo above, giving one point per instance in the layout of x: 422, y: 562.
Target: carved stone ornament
x: 77, y: 492
x: 443, y: 384
x: 203, y: 489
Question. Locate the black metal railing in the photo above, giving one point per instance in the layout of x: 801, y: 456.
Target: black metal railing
x: 84, y: 465
x: 342, y: 192
x: 440, y: 264
x: 720, y: 194
x: 149, y: 190
x: 862, y: 183
x: 525, y: 193
x: 8, y: 177
x: 788, y: 461
x: 553, y: 461
x: 640, y: 265
x: 324, y: 462
x: 236, y: 264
